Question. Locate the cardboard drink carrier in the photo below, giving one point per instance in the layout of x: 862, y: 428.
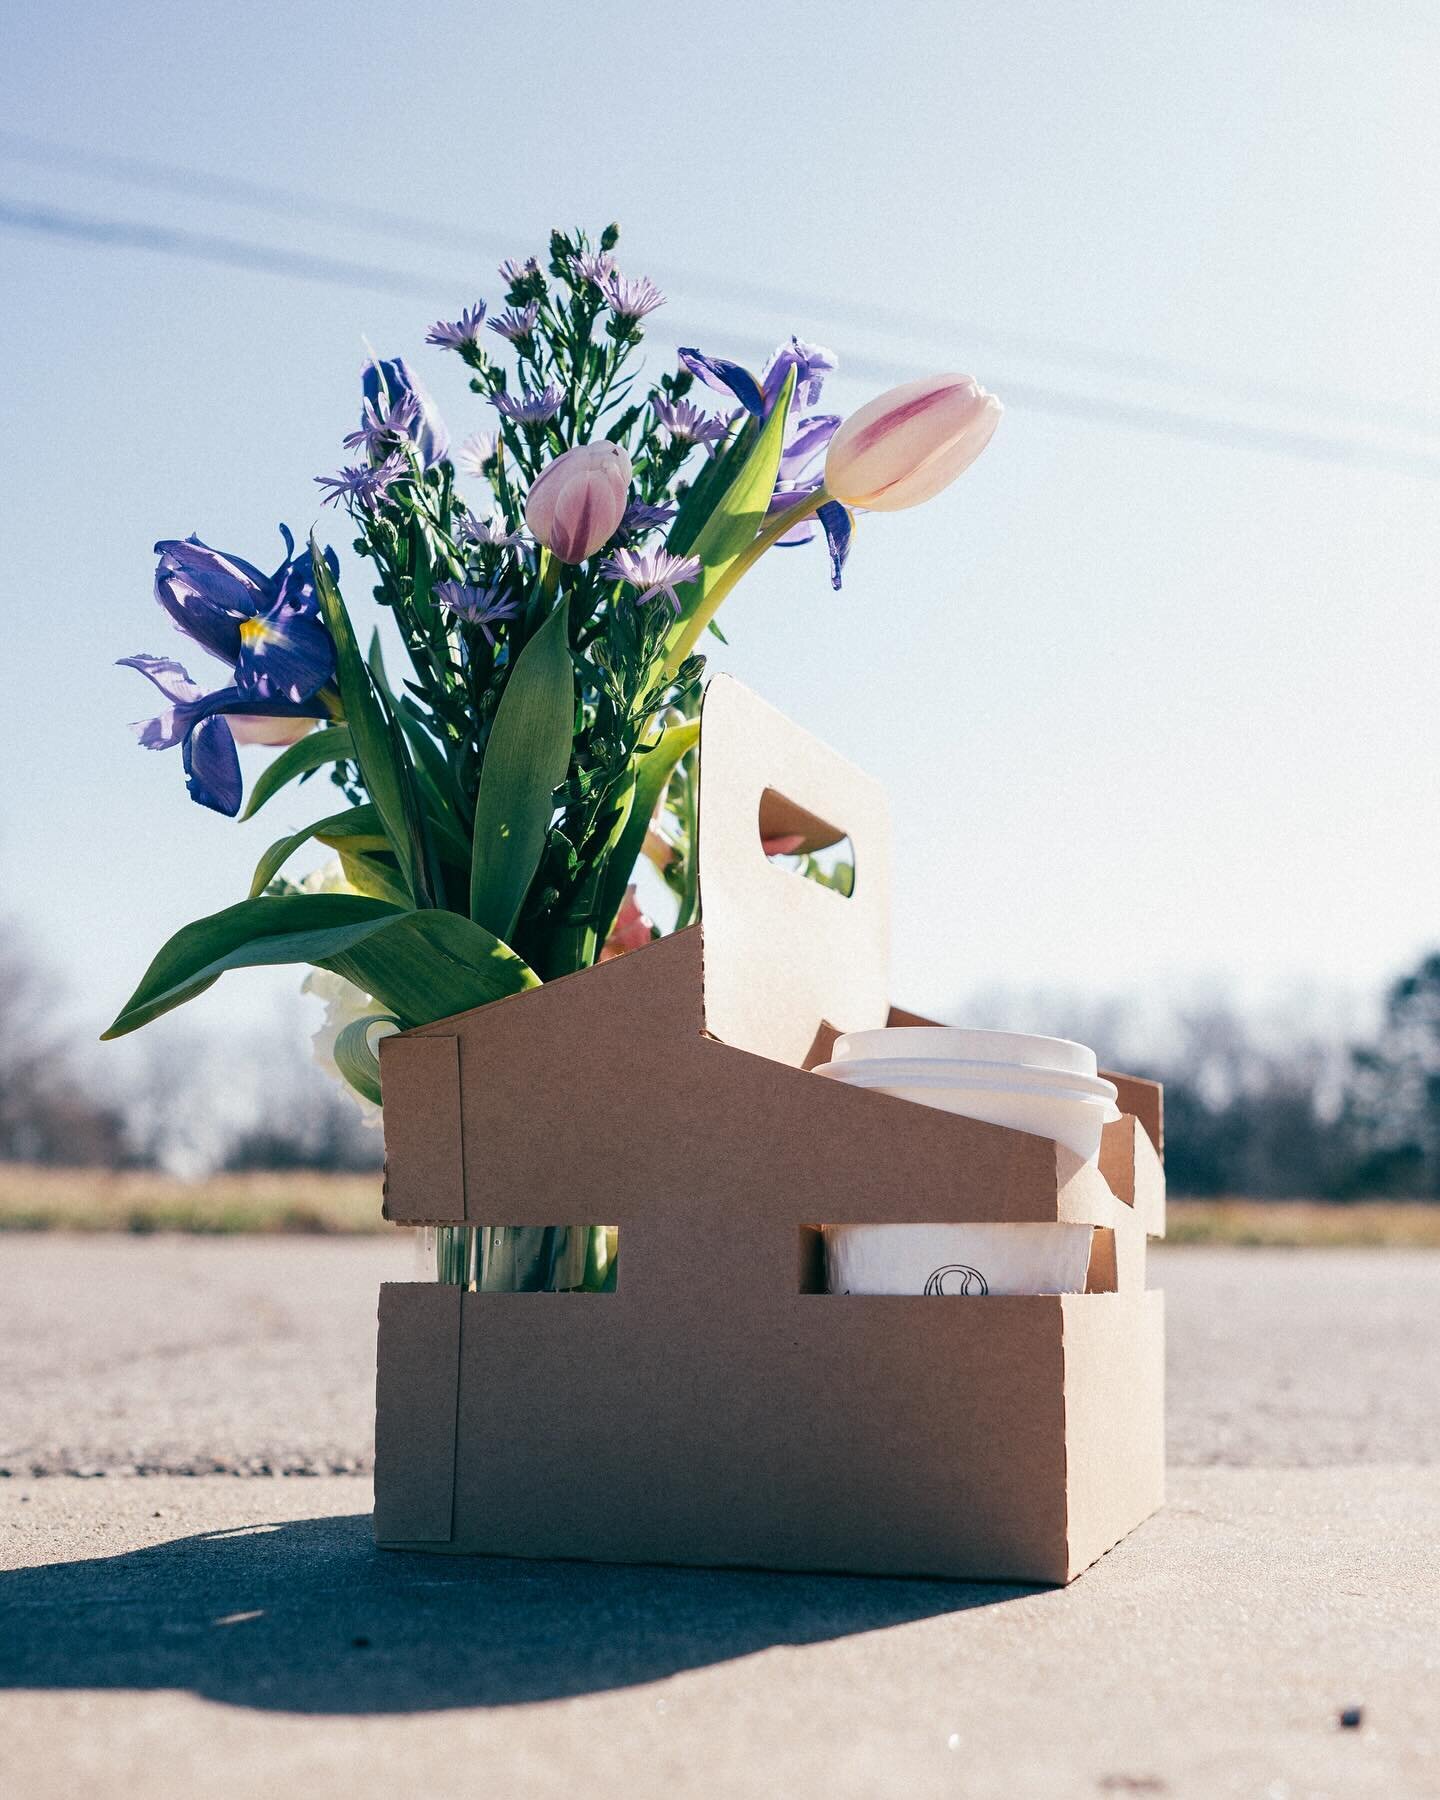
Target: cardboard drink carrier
x: 718, y: 1407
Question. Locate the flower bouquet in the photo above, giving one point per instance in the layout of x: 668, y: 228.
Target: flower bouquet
x: 550, y: 584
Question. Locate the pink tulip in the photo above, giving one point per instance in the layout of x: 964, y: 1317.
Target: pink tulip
x: 631, y: 928
x: 578, y: 500
x: 907, y: 444
x: 252, y: 728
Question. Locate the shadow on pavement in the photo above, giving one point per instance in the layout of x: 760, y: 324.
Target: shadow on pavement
x: 309, y: 1617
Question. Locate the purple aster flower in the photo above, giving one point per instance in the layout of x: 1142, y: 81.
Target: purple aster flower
x: 641, y: 517
x: 529, y: 408
x: 631, y: 298
x: 379, y: 430
x: 682, y: 423
x: 656, y: 571
x: 266, y: 629
x: 592, y: 266
x: 489, y: 533
x: 516, y: 323
x: 363, y: 485
x: 455, y: 335
x: 480, y: 606
x: 475, y: 452
x: 513, y: 271
x: 384, y: 383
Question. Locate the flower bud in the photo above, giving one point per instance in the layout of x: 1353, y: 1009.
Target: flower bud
x: 578, y: 500
x: 907, y: 444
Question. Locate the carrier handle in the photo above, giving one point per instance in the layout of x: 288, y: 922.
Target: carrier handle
x: 785, y: 956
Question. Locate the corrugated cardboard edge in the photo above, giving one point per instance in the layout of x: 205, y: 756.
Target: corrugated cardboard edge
x: 1114, y: 1349
x: 417, y: 1394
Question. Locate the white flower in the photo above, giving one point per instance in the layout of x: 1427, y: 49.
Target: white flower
x: 344, y: 1003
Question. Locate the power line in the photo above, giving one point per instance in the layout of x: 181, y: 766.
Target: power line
x: 303, y: 265
x: 1073, y: 353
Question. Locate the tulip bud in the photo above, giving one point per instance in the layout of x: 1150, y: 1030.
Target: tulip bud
x: 578, y: 500
x: 907, y: 444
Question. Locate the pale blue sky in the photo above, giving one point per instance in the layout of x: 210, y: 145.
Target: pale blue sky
x: 1153, y: 711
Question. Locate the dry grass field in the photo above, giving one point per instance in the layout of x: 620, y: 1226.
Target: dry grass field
x: 44, y: 1199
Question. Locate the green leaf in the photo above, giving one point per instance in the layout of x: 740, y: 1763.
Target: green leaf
x: 526, y: 759
x: 355, y: 1055
x: 369, y: 728
x: 368, y: 875
x: 418, y: 965
x: 709, y: 487
x: 360, y: 823
x: 732, y: 525
x: 433, y: 778
x: 330, y: 744
x: 653, y: 769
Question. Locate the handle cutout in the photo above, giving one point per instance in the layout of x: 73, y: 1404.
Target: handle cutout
x: 795, y: 839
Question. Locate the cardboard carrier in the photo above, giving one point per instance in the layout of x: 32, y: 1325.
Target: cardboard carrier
x: 719, y: 1407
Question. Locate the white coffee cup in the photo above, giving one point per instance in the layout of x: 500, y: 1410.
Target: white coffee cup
x: 1044, y: 1086
x: 970, y: 1260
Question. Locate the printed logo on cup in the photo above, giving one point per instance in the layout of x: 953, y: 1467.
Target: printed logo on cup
x: 956, y: 1278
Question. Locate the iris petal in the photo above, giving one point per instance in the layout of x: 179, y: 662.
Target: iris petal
x: 839, y: 528
x: 212, y: 766
x: 207, y: 593
x: 726, y: 378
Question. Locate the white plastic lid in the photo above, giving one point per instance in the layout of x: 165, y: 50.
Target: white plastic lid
x: 950, y: 1071
x: 953, y: 1043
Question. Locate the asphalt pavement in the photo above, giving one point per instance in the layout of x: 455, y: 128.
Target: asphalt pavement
x: 171, y: 1629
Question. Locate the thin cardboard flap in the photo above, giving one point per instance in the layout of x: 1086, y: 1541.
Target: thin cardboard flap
x: 1131, y: 1166
x: 424, y: 1139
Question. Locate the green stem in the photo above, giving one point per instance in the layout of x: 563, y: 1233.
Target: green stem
x: 692, y: 627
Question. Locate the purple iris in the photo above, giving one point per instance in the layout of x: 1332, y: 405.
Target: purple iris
x: 266, y: 628
x: 385, y: 383
x: 807, y: 435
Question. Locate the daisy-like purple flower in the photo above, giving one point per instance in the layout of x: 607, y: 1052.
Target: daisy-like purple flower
x: 682, y: 423
x: 475, y: 452
x: 268, y: 632
x: 516, y: 322
x: 448, y: 334
x: 379, y: 430
x: 641, y: 517
x: 592, y: 265
x: 489, y: 533
x: 480, y: 606
x: 529, y: 407
x: 657, y: 572
x: 362, y: 484
x: 630, y: 298
x: 513, y: 271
